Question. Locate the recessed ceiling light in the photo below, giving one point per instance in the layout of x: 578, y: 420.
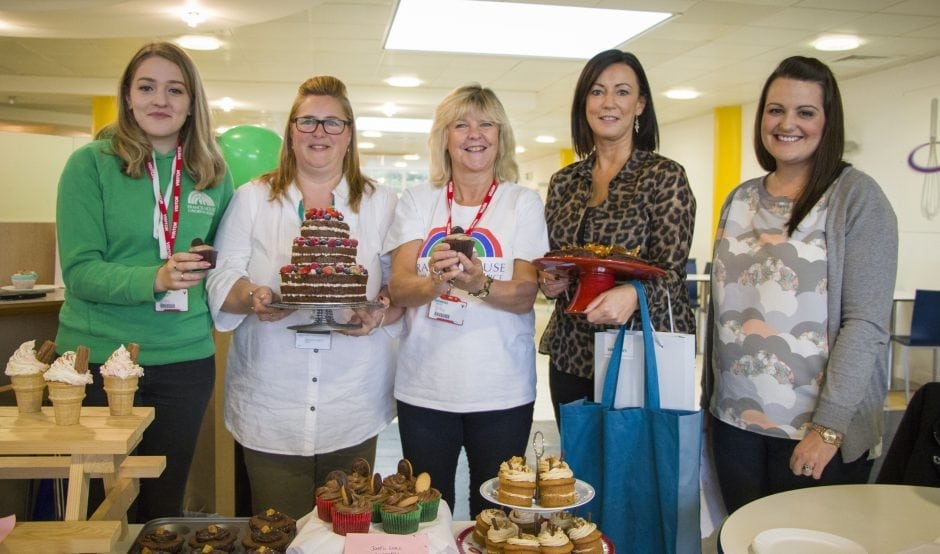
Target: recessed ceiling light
x: 199, y: 42
x: 394, y: 124
x: 545, y: 139
x: 389, y: 109
x: 400, y: 164
x: 682, y: 93
x: 226, y: 104
x: 411, y: 157
x: 366, y: 145
x: 520, y: 149
x: 405, y: 82
x: 371, y: 134
x: 428, y: 25
x: 837, y: 43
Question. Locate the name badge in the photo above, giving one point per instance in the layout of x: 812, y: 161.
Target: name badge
x: 319, y: 340
x: 447, y: 308
x: 173, y: 301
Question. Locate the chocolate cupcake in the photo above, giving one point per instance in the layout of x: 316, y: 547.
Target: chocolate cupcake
x: 460, y: 242
x: 329, y: 494
x: 215, y: 537
x: 208, y: 253
x: 429, y: 498
x: 401, y: 514
x: 275, y: 520
x: 271, y: 538
x: 161, y: 540
x: 352, y: 513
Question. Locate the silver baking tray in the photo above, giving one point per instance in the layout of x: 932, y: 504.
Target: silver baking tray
x: 188, y: 526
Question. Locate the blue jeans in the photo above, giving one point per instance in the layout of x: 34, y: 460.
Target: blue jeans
x: 179, y: 393
x: 752, y: 466
x: 432, y: 439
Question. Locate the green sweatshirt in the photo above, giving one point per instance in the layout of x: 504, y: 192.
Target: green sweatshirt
x: 110, y: 258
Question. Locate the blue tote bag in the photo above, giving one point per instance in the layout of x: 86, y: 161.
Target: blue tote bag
x: 642, y: 462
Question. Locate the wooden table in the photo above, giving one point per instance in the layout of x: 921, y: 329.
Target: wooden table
x: 881, y: 518
x: 32, y: 446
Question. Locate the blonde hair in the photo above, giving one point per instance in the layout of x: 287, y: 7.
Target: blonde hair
x: 281, y: 178
x: 456, y: 106
x: 201, y: 155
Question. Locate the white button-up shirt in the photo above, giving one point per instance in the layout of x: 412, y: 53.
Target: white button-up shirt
x: 300, y: 401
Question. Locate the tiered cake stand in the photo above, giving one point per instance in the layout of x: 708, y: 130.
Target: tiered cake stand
x: 595, y: 275
x: 322, y: 315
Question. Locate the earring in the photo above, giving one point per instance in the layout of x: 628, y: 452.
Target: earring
x: 636, y: 125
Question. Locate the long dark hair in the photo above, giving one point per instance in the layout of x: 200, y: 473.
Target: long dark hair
x: 827, y: 161
x: 582, y: 137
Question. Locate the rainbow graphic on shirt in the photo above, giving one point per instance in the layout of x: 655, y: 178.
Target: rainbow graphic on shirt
x: 484, y: 243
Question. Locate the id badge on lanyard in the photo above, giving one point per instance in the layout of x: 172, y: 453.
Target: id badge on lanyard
x: 165, y: 229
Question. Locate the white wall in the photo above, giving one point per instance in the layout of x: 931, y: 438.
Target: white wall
x: 30, y: 166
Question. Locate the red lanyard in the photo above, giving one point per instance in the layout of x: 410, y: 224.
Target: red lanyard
x: 169, y: 232
x: 486, y: 202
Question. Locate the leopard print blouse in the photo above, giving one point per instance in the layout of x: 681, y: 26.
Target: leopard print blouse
x: 650, y: 205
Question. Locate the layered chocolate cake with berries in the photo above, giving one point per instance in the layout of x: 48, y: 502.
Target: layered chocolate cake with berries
x: 323, y: 266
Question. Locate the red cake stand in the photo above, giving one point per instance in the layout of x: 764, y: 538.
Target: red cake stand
x: 595, y: 275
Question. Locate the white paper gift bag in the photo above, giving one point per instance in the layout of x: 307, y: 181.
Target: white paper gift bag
x: 675, y: 356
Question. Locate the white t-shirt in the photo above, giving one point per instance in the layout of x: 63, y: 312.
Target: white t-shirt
x: 298, y: 401
x: 488, y: 363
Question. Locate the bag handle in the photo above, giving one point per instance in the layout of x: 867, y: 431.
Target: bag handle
x: 651, y: 375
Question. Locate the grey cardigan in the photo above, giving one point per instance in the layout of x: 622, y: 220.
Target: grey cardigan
x: 862, y: 253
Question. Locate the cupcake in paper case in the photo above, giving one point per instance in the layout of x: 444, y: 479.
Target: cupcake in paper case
x: 556, y: 483
x: 401, y: 514
x: 266, y: 536
x: 516, y: 482
x: 483, y: 522
x: 352, y: 513
x: 24, y: 279
x: 553, y: 540
x: 376, y: 495
x: 121, y: 374
x: 213, y: 538
x: 66, y: 378
x: 586, y: 537
x: 428, y: 497
x: 403, y: 480
x: 501, y: 530
x: 25, y: 369
x: 329, y: 493
x: 521, y: 544
x: 360, y: 476
x: 265, y: 550
x: 161, y: 539
x: 275, y: 520
x: 562, y: 520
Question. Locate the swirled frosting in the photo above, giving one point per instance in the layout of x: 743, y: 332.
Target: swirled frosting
x: 502, y: 530
x: 581, y: 528
x: 119, y: 364
x: 552, y: 536
x: 358, y: 504
x: 330, y: 491
x: 562, y: 520
x: 515, y: 469
x: 553, y: 468
x: 391, y: 505
x: 399, y: 483
x: 63, y: 371
x: 24, y: 362
x: 524, y: 540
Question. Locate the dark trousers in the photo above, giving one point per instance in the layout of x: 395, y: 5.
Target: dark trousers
x: 752, y: 466
x: 566, y: 387
x: 179, y: 394
x: 432, y: 439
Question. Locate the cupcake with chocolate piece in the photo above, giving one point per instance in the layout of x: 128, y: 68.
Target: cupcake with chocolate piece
x: 264, y: 550
x: 376, y: 495
x: 586, y: 537
x: 213, y: 537
x: 556, y: 483
x: 66, y: 379
x: 516, y: 482
x: 352, y: 513
x: 525, y: 542
x: 329, y: 494
x: 208, y: 253
x: 528, y: 522
x: 275, y: 520
x: 360, y: 476
x: 428, y: 497
x: 161, y: 539
x: 482, y: 523
x: 401, y: 514
x: 403, y: 481
x: 266, y: 536
x: 553, y: 540
x: 458, y: 241
x: 562, y: 520
x: 500, y: 531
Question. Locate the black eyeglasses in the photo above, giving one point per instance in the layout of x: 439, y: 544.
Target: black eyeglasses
x: 331, y: 125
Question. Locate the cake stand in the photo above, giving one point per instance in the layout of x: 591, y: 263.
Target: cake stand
x: 595, y: 275
x: 322, y: 315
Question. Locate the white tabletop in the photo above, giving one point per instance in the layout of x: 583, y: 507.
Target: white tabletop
x: 698, y: 277
x: 881, y: 518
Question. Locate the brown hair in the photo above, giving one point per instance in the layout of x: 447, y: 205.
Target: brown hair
x: 281, y: 177
x: 201, y: 155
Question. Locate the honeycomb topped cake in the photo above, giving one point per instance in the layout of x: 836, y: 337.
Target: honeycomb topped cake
x: 594, y: 250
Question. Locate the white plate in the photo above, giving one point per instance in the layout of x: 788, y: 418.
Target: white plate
x: 787, y: 540
x: 36, y: 288
x: 583, y: 493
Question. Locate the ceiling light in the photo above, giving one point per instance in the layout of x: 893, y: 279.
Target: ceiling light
x: 405, y: 82
x: 545, y: 139
x: 400, y: 164
x: 199, y: 42
x: 226, y: 104
x: 394, y: 124
x: 429, y: 25
x: 682, y: 94
x: 371, y: 134
x: 411, y: 157
x: 520, y: 149
x: 389, y: 109
x: 193, y: 18
x: 837, y: 43
x: 221, y: 130
x: 366, y: 145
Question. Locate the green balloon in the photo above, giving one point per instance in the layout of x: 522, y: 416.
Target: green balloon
x: 249, y: 151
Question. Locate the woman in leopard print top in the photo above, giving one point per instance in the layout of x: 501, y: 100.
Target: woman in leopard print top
x: 620, y: 193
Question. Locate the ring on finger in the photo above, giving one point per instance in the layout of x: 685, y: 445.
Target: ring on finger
x: 436, y: 271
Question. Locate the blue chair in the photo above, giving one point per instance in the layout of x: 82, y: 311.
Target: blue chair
x: 925, y: 332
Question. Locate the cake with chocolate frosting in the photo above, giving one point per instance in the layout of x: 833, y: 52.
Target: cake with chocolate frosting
x: 323, y: 266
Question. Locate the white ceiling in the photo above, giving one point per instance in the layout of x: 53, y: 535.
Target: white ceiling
x: 55, y: 55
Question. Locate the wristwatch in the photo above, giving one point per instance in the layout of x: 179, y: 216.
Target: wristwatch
x: 485, y: 290
x: 829, y: 436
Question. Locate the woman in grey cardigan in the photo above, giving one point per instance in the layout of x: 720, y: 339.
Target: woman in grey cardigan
x: 802, y: 283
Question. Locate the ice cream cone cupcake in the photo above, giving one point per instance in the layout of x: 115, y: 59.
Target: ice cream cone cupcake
x: 25, y: 369
x: 121, y: 373
x: 67, y: 378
